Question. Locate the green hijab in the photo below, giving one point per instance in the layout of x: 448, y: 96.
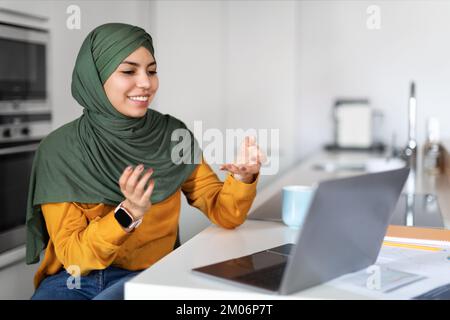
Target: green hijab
x: 83, y: 160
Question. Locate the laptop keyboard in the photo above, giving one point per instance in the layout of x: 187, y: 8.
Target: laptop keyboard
x: 267, y: 278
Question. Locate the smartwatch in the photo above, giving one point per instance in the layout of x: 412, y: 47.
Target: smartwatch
x: 125, y: 219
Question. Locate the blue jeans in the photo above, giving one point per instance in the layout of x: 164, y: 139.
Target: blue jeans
x: 107, y: 284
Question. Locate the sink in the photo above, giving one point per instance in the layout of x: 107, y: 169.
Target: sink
x: 384, y: 164
x: 370, y: 165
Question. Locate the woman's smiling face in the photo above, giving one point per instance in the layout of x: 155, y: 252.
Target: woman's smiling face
x: 133, y: 85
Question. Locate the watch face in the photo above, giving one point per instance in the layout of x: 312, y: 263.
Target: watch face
x: 123, y: 218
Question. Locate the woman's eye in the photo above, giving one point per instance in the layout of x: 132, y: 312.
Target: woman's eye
x: 132, y: 72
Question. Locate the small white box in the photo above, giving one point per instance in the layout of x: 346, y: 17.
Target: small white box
x: 354, y: 126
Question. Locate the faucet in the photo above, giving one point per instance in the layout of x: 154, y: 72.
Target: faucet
x: 410, y: 156
x: 410, y: 152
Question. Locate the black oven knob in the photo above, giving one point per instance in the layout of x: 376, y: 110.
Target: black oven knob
x: 7, y: 133
x: 25, y: 131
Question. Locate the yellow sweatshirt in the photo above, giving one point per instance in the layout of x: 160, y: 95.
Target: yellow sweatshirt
x: 88, y: 235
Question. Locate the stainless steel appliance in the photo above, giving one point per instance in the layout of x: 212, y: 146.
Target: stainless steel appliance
x: 25, y: 118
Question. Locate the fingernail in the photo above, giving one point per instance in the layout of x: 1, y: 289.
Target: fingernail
x: 140, y: 167
x: 128, y: 168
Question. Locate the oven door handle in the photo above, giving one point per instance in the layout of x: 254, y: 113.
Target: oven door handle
x: 19, y: 149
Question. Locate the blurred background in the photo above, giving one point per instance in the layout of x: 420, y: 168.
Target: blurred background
x: 286, y: 65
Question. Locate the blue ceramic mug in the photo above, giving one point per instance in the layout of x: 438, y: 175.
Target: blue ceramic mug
x: 295, y: 204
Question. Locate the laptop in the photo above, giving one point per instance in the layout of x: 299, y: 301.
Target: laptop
x: 342, y: 233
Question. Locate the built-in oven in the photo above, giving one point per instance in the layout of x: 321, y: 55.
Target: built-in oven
x: 23, y: 63
x: 25, y: 119
x: 20, y: 135
x: 15, y: 169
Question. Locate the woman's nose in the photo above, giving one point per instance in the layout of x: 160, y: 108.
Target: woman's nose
x: 143, y: 81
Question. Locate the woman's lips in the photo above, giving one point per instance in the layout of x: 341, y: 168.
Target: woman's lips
x: 141, y: 102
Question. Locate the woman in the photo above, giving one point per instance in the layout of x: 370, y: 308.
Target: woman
x: 105, y: 190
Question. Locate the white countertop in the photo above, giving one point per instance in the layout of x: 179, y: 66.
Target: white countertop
x: 172, y: 278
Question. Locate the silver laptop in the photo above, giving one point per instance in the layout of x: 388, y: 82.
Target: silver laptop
x: 342, y: 233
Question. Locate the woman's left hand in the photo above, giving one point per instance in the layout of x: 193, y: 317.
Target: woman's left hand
x: 248, y: 162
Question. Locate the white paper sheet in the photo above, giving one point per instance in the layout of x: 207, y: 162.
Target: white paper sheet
x: 405, y: 273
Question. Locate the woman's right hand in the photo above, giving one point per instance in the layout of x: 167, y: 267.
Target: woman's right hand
x: 137, y: 200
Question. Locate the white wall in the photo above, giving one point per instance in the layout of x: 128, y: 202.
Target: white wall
x: 189, y: 48
x: 230, y: 64
x: 260, y: 70
x: 340, y: 57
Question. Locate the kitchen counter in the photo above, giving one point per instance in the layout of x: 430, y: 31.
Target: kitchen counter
x: 331, y: 165
x: 172, y: 276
